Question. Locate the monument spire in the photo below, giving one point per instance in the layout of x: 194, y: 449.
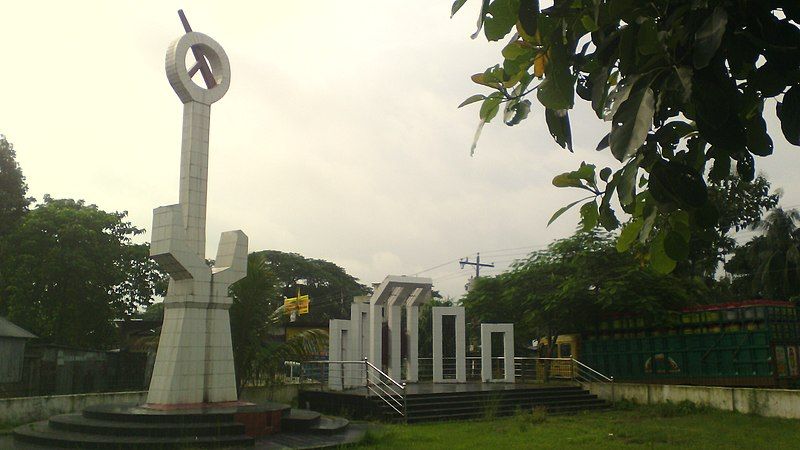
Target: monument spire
x: 194, y: 362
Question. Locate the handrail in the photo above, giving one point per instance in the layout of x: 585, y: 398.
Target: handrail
x: 605, y: 377
x: 401, y: 386
x: 374, y: 380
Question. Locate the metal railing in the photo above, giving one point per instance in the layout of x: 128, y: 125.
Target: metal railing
x: 526, y: 369
x: 343, y: 375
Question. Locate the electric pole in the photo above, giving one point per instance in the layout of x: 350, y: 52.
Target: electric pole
x: 477, y: 264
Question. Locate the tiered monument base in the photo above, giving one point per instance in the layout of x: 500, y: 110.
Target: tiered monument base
x: 240, y: 425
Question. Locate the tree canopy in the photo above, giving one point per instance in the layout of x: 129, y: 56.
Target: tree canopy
x: 13, y: 190
x: 330, y: 288
x: 257, y: 307
x: 769, y: 265
x: 572, y: 283
x: 73, y: 270
x: 683, y: 83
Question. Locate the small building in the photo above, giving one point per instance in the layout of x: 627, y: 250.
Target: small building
x: 12, y: 353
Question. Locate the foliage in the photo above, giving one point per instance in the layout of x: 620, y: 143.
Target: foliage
x: 13, y: 202
x: 740, y: 204
x: 569, y: 285
x: 425, y: 327
x: 257, y: 308
x: 683, y: 82
x: 769, y: 265
x: 329, y: 287
x: 73, y: 270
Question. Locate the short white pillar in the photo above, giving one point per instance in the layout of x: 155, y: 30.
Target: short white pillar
x: 338, y: 344
x: 508, y: 351
x: 461, y: 350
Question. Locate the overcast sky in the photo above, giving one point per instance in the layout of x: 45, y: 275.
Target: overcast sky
x: 338, y: 139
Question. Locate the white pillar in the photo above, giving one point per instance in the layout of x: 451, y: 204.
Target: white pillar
x: 338, y: 338
x: 508, y: 351
x: 394, y: 320
x: 359, y: 340
x: 375, y: 334
x: 412, y: 329
x: 460, y: 337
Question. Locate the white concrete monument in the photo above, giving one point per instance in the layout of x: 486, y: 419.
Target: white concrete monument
x: 394, y: 293
x: 508, y: 351
x: 460, y: 336
x: 194, y: 362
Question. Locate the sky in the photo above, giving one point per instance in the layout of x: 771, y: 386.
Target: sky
x: 339, y: 138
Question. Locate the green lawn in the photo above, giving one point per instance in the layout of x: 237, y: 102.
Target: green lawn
x: 667, y: 426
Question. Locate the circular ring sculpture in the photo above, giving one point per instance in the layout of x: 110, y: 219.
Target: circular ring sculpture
x: 179, y: 77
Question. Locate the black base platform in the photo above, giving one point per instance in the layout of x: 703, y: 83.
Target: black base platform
x: 426, y: 402
x: 265, y: 425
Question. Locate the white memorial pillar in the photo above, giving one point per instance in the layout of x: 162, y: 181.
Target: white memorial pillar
x: 359, y: 339
x: 508, y: 351
x: 338, y: 343
x: 194, y: 361
x: 460, y: 337
x: 419, y: 296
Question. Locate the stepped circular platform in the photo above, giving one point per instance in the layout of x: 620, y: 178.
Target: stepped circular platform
x: 129, y: 426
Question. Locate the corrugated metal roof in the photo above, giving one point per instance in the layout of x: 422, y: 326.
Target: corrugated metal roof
x: 8, y: 329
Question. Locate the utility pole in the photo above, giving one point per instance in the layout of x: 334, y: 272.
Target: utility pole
x: 477, y: 264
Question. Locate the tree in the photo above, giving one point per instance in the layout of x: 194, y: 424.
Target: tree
x: 740, y: 204
x: 769, y: 265
x: 13, y: 190
x: 330, y: 288
x: 257, y: 307
x: 683, y: 82
x: 567, y: 287
x: 73, y: 270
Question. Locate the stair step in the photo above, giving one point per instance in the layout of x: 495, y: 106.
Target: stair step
x: 81, y: 424
x: 450, y: 415
x: 455, y: 401
x: 300, y: 419
x: 330, y: 425
x: 40, y: 433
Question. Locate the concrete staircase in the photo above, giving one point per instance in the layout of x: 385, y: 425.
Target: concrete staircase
x: 429, y: 407
x: 127, y: 427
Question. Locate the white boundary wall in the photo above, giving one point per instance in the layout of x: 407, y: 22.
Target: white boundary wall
x: 764, y: 402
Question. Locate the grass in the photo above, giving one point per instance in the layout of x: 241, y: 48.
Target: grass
x: 673, y: 425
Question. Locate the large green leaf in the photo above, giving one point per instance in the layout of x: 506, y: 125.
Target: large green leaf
x: 659, y: 259
x: 490, y: 107
x: 564, y: 209
x: 557, y: 91
x: 632, y: 123
x: 758, y: 141
x: 672, y: 181
x: 708, y: 37
x: 456, y: 6
x: 628, y: 235
x: 589, y: 215
x: 502, y: 17
x: 558, y: 124
x: 789, y: 113
x: 472, y: 99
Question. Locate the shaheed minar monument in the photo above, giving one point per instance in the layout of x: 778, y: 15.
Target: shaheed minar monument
x: 192, y: 400
x: 194, y: 362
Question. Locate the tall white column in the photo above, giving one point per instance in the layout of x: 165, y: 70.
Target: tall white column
x: 338, y: 343
x: 359, y: 340
x: 412, y: 330
x: 394, y: 320
x: 375, y: 334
